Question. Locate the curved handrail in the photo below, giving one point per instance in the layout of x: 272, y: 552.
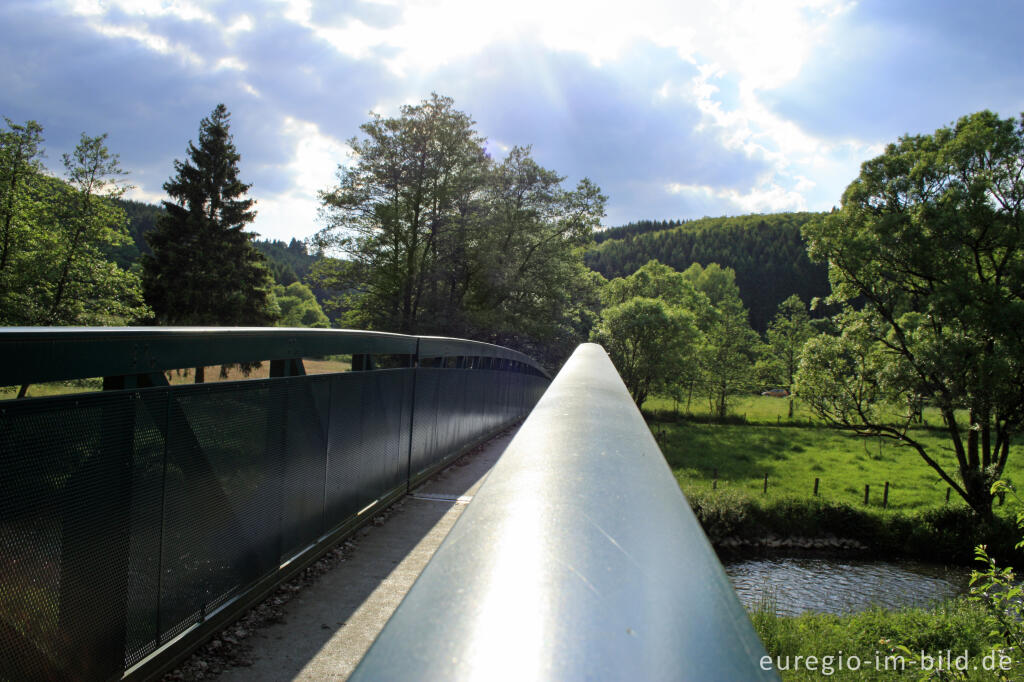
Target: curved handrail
x: 579, y: 558
x: 57, y: 353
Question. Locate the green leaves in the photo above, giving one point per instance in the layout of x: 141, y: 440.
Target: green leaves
x: 54, y: 235
x: 649, y: 341
x: 438, y: 238
x: 714, y: 350
x: 929, y: 242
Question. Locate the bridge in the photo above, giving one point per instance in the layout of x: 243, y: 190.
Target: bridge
x: 140, y: 519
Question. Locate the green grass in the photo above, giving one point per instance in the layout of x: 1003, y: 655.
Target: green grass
x: 742, y: 453
x: 760, y: 409
x: 721, y: 469
x: 872, y: 635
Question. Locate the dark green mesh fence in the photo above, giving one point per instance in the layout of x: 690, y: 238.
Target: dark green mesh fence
x: 127, y: 517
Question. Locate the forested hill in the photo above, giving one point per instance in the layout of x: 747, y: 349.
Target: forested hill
x: 639, y: 227
x: 288, y: 261
x: 766, y: 251
x: 141, y: 219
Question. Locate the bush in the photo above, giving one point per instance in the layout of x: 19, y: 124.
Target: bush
x: 945, y: 535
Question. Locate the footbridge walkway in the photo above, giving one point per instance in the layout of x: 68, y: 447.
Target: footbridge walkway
x: 138, y: 520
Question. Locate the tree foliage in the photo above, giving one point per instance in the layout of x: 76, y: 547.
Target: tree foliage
x: 288, y: 262
x: 930, y: 238
x: 431, y: 235
x: 711, y: 348
x: 299, y: 307
x: 648, y: 341
x: 204, y: 269
x: 787, y: 333
x: 649, y: 327
x: 55, y: 234
x: 767, y: 253
x: 726, y: 357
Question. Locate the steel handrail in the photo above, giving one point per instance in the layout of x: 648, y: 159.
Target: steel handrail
x: 41, y: 354
x: 579, y: 558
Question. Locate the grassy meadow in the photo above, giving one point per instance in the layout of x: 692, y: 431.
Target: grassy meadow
x: 763, y: 440
x: 871, y: 637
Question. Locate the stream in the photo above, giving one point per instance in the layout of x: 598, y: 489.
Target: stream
x: 843, y: 585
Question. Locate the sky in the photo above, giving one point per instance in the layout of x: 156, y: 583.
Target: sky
x: 676, y: 109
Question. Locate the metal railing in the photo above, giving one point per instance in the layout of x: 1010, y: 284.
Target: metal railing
x: 578, y: 559
x: 136, y: 520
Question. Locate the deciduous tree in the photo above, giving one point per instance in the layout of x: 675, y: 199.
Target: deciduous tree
x: 56, y: 232
x: 930, y: 237
x: 787, y: 333
x: 648, y: 340
x: 438, y: 238
x: 729, y: 349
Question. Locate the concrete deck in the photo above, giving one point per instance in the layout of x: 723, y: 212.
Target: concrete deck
x: 331, y: 624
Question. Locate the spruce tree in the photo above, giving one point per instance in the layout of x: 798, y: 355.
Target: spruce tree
x: 205, y: 269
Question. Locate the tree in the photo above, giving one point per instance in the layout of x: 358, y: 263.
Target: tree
x: 412, y: 181
x: 787, y: 334
x: 20, y: 181
x: 728, y: 354
x: 299, y: 307
x: 87, y: 219
x: 55, y: 271
x: 648, y: 341
x: 659, y: 369
x: 929, y: 241
x: 434, y: 237
x: 204, y: 269
x: 20, y: 149
x: 527, y: 284
x: 726, y: 357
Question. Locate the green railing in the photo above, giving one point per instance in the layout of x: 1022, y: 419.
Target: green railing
x: 137, y: 519
x: 578, y: 559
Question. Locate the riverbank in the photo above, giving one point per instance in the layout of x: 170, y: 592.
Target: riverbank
x: 760, y: 483
x: 864, y: 646
x: 740, y: 525
x: 721, y: 466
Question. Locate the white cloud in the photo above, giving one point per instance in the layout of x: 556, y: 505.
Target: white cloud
x: 767, y: 197
x: 241, y: 25
x: 157, y: 43
x: 741, y: 48
x: 231, y: 63
x: 314, y: 162
x: 181, y: 9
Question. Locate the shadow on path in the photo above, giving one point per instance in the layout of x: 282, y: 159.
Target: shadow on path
x: 329, y: 625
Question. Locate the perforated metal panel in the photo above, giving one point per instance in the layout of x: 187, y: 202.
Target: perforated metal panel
x: 127, y: 517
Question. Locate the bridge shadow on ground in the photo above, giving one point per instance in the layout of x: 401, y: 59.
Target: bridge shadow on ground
x: 329, y: 625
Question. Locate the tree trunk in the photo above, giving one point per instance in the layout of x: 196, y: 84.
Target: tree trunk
x: 979, y: 494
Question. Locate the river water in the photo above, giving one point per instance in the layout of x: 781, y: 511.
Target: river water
x: 843, y: 586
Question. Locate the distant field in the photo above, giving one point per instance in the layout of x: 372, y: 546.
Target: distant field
x: 794, y: 456
x: 760, y: 409
x: 336, y: 363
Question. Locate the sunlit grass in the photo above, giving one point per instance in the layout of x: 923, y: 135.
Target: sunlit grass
x: 738, y: 456
x: 867, y: 638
